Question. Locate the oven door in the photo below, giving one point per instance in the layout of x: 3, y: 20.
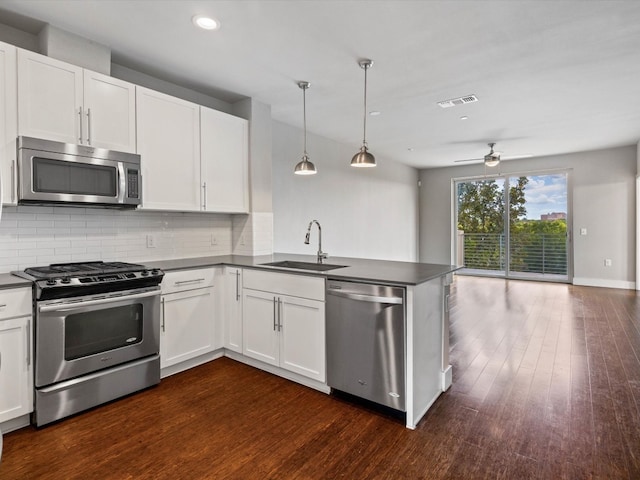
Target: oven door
x: 82, y: 335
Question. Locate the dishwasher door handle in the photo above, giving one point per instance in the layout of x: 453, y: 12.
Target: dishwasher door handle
x: 367, y: 298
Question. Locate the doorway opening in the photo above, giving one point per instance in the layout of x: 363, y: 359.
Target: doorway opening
x: 514, y: 226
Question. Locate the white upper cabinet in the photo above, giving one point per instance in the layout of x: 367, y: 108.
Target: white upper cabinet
x: 224, y: 162
x: 49, y: 98
x: 110, y: 112
x: 62, y: 102
x: 169, y: 145
x: 8, y: 122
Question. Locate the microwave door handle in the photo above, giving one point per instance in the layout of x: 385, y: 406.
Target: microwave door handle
x: 122, y: 184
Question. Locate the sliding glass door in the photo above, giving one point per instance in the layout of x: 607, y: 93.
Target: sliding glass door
x: 514, y: 226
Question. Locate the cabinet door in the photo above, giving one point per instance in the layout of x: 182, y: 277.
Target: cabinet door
x: 187, y: 325
x: 16, y: 384
x: 110, y: 115
x: 302, y: 337
x: 260, y: 335
x: 169, y: 145
x: 8, y: 123
x: 233, y: 309
x: 225, y: 161
x: 49, y: 98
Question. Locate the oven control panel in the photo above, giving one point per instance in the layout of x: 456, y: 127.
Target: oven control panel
x: 100, y: 279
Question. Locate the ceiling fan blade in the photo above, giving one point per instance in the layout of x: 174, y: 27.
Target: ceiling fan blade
x: 468, y: 160
x: 496, y: 154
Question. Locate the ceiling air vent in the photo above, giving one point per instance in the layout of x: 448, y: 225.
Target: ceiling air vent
x: 458, y: 101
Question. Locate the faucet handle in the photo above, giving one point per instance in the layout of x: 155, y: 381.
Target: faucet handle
x: 322, y: 255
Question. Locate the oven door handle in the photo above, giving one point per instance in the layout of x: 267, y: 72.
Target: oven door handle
x: 63, y: 307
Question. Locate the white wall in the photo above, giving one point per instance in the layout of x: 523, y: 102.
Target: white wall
x: 603, y: 202
x: 370, y: 213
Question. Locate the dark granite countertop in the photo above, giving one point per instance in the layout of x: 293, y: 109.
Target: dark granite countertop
x: 356, y: 269
x: 11, y: 281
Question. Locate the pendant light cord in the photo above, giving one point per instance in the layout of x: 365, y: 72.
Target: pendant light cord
x: 364, y: 133
x: 304, y: 116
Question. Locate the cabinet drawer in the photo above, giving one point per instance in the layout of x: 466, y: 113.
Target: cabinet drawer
x: 284, y: 283
x: 187, y: 280
x: 15, y: 302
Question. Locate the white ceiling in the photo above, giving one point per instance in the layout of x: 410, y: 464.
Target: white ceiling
x: 551, y: 76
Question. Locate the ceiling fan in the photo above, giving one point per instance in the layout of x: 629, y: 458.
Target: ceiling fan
x: 492, y: 158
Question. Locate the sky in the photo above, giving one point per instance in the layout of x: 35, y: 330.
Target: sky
x: 546, y: 194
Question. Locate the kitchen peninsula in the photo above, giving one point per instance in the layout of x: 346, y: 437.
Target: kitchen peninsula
x: 427, y: 372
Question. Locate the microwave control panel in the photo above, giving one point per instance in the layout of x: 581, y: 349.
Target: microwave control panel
x: 132, y: 183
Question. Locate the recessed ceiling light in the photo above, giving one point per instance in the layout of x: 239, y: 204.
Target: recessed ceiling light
x: 410, y: 149
x: 374, y: 113
x: 207, y: 23
x: 464, y: 117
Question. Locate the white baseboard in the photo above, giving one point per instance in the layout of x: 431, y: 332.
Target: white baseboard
x: 447, y: 378
x: 294, y: 377
x: 193, y: 362
x: 600, y: 282
x: 16, y: 423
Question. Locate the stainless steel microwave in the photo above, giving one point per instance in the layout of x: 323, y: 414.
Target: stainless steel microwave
x: 60, y: 173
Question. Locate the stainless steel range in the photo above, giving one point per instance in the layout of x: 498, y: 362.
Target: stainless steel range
x: 97, y: 334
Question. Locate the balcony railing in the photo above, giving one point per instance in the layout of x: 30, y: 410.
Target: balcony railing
x: 544, y: 253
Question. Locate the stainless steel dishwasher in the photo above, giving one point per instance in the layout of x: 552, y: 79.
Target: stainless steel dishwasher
x: 366, y: 341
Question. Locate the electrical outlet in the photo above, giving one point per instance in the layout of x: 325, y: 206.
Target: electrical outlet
x: 214, y: 240
x: 151, y: 241
x: 241, y: 239
x: 607, y: 262
x: 583, y: 231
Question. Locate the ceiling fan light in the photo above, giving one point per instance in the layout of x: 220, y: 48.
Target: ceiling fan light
x: 491, y: 160
x: 363, y: 158
x: 305, y: 167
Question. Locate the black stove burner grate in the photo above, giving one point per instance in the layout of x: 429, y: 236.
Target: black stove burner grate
x: 82, y: 269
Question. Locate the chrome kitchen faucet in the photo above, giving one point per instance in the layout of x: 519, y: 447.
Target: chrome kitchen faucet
x: 321, y: 255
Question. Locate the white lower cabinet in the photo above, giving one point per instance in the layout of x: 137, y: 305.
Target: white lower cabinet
x: 16, y: 347
x: 231, y: 302
x: 281, y: 329
x: 188, y: 323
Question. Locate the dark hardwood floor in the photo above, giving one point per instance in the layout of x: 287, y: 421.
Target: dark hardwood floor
x: 546, y: 384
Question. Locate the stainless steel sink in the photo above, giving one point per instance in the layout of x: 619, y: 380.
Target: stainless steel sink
x: 319, y: 267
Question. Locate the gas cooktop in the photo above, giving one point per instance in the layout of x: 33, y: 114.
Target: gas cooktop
x: 62, y: 270
x: 64, y: 280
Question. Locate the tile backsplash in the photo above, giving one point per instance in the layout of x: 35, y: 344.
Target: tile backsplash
x: 33, y: 236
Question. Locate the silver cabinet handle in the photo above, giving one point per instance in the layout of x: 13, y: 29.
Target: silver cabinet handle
x: 162, y: 324
x: 3, y: 305
x: 366, y: 298
x: 279, y: 314
x: 80, y: 121
x: 182, y: 282
x: 274, y: 314
x: 88, y: 126
x: 28, y: 342
x: 237, y: 285
x: 204, y: 196
x: 13, y: 181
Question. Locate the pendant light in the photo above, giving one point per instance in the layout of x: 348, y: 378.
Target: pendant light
x: 305, y: 167
x: 363, y: 158
x: 492, y: 158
